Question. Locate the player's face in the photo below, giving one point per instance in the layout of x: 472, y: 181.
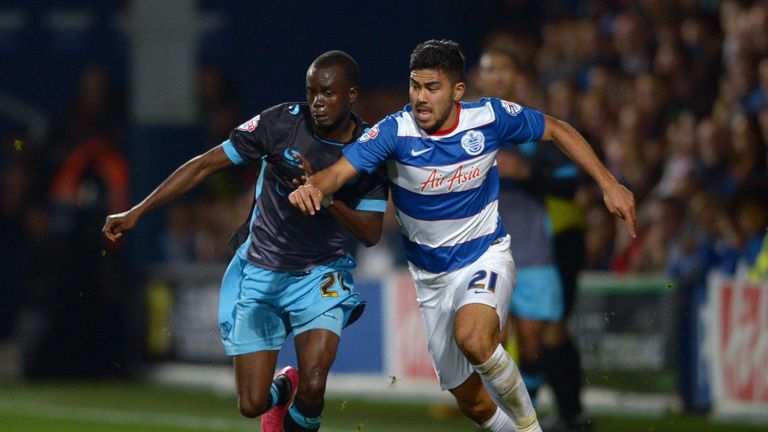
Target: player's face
x: 434, y: 98
x: 329, y: 97
x: 496, y: 76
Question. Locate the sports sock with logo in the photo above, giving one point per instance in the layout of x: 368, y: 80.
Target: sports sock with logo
x: 505, y: 386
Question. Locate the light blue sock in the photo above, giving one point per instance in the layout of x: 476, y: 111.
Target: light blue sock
x: 308, y: 423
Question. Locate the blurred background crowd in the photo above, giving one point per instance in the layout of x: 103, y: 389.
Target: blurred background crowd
x: 673, y: 96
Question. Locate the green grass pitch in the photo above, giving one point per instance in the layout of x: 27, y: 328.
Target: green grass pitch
x: 132, y: 407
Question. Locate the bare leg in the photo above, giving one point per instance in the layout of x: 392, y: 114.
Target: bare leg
x: 476, y: 332
x: 253, y: 377
x: 316, y: 350
x: 473, y: 400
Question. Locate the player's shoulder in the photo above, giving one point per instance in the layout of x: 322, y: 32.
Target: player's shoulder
x: 284, y: 116
x: 497, y: 105
x: 386, y: 126
x: 289, y: 111
x: 395, y: 118
x: 401, y: 123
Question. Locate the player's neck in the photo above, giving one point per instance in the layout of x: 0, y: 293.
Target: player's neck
x: 343, y: 132
x: 451, y: 122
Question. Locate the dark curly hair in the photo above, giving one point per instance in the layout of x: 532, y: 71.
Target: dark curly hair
x: 443, y: 55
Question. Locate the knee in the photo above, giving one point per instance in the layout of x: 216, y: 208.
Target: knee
x: 251, y: 405
x: 312, y: 385
x: 475, y: 345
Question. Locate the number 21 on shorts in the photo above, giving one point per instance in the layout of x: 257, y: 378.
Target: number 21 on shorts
x: 483, y: 279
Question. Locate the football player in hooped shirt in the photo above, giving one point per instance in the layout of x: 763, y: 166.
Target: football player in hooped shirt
x: 290, y: 273
x: 441, y: 158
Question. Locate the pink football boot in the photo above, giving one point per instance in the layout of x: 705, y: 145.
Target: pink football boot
x: 272, y: 420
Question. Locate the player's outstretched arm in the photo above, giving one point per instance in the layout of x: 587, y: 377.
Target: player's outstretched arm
x: 187, y: 176
x: 618, y: 199
x: 309, y: 196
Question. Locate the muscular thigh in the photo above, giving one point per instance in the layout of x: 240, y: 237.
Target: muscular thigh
x: 488, y: 281
x: 253, y: 372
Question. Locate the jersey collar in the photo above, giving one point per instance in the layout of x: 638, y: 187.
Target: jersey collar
x: 455, y: 125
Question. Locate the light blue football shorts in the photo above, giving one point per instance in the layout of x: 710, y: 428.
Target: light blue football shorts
x: 538, y: 294
x: 258, y: 308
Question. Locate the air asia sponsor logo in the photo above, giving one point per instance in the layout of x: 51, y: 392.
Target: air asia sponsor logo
x: 289, y: 155
x: 250, y: 125
x: 473, y: 142
x: 437, y: 180
x: 512, y: 108
x: 370, y: 134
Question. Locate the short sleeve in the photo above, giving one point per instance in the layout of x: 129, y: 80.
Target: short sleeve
x: 373, y: 147
x: 372, y: 192
x: 251, y: 140
x: 517, y: 124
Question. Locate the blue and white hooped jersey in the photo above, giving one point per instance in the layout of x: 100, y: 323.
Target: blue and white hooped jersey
x: 445, y: 187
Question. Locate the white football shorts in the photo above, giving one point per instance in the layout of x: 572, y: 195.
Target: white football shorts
x: 489, y: 281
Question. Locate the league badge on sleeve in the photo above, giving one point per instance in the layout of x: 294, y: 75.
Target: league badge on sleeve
x: 369, y: 134
x: 250, y: 125
x: 511, y: 108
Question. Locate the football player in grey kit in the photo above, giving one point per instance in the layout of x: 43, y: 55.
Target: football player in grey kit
x: 290, y: 273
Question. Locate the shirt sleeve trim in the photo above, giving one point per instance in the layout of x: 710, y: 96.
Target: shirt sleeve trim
x: 379, y: 206
x: 232, y: 153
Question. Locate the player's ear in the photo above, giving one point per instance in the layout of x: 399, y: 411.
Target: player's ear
x: 352, y: 95
x: 458, y: 91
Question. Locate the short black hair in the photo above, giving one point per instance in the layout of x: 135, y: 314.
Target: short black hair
x: 343, y: 61
x: 444, y: 55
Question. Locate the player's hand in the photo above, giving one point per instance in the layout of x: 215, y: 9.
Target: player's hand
x: 307, y: 198
x: 118, y: 223
x: 304, y: 165
x: 621, y: 202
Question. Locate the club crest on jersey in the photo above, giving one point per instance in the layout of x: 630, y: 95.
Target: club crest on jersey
x: 511, y: 108
x: 473, y: 142
x: 250, y: 125
x: 293, y: 109
x: 289, y: 155
x: 369, y: 134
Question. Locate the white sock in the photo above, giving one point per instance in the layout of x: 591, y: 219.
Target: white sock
x: 500, y: 422
x: 502, y: 380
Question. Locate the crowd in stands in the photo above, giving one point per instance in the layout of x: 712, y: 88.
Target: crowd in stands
x: 674, y: 97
